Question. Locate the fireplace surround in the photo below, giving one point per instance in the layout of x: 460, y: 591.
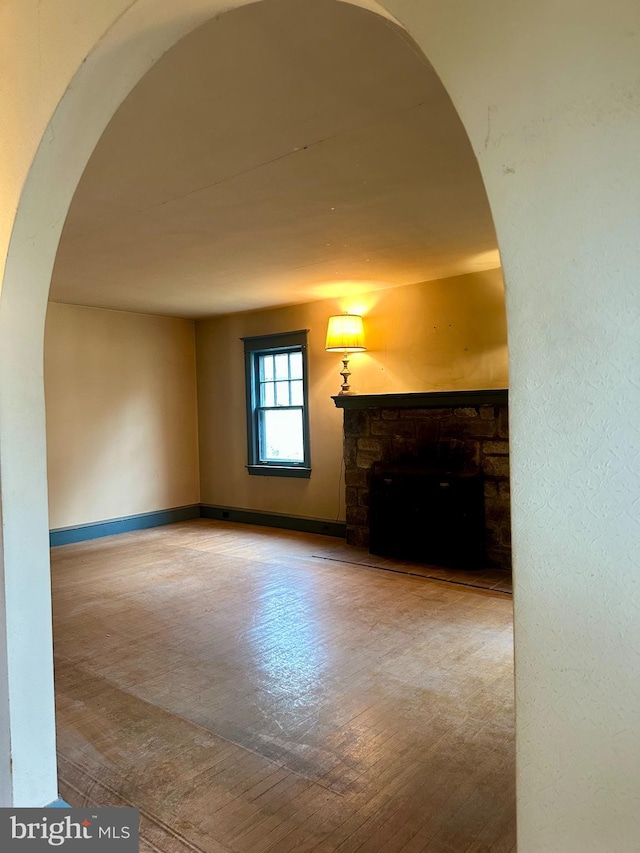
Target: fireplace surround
x: 462, y: 430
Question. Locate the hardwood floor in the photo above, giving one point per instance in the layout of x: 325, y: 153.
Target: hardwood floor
x: 248, y: 695
x: 496, y: 579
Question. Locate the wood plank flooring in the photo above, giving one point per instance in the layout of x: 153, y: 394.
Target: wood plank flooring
x: 248, y: 696
x: 493, y: 578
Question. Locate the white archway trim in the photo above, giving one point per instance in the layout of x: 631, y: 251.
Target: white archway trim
x: 549, y: 98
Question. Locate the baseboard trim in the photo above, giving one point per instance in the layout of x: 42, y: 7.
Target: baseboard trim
x: 96, y: 530
x: 58, y: 804
x: 274, y: 519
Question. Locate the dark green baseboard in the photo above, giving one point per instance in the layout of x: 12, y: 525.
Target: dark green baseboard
x: 82, y: 532
x: 96, y: 530
x: 274, y: 519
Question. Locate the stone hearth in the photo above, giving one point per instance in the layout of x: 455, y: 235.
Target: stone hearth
x: 469, y: 427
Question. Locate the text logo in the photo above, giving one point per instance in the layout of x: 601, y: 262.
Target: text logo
x: 104, y: 830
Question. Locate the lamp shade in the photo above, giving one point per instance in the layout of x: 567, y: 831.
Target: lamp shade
x: 345, y: 334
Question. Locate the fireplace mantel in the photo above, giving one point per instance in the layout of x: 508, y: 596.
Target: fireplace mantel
x: 423, y: 399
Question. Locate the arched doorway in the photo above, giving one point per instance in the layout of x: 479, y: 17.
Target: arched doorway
x: 529, y: 102
x: 219, y: 96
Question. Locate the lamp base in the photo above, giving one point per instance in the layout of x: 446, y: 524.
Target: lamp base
x: 345, y: 373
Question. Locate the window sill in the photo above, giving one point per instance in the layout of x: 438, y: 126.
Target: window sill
x: 279, y: 471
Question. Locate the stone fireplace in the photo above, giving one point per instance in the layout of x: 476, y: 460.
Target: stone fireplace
x: 468, y: 429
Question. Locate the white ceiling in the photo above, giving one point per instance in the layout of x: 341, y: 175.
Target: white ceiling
x: 284, y: 152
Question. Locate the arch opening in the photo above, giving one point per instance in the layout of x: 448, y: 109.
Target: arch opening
x: 169, y: 162
x: 132, y: 46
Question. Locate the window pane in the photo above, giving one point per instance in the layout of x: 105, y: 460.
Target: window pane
x: 266, y: 367
x: 297, y: 398
x: 282, y: 366
x: 295, y: 365
x: 281, y: 437
x: 276, y: 412
x: 282, y: 393
x: 266, y: 394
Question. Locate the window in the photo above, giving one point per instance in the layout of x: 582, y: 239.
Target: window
x: 277, y: 405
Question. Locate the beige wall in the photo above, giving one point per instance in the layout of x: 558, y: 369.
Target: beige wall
x: 440, y: 335
x: 121, y: 414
